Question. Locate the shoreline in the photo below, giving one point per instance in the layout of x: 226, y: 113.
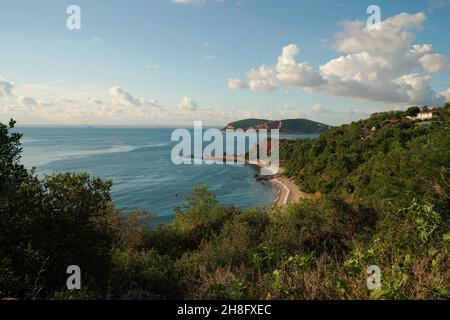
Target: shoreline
x: 287, y: 191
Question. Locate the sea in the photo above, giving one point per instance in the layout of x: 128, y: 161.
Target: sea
x: 138, y: 161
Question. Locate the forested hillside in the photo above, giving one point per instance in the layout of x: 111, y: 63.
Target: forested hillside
x: 285, y: 126
x: 385, y: 162
x: 380, y: 196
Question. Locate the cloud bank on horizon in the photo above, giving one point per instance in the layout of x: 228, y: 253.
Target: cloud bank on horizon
x: 115, y: 106
x: 381, y: 65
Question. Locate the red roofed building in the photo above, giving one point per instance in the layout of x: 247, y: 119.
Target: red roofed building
x: 393, y: 120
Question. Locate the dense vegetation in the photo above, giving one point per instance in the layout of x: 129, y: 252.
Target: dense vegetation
x: 285, y: 126
x: 247, y: 123
x: 382, y: 197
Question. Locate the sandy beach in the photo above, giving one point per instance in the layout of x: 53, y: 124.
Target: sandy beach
x: 287, y: 191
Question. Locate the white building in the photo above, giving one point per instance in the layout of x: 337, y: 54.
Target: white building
x: 426, y: 115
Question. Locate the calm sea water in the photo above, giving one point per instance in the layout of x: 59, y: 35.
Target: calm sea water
x: 138, y: 162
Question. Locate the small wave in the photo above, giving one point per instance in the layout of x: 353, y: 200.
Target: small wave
x: 86, y: 153
x: 153, y: 145
x: 31, y: 140
x: 55, y: 156
x: 50, y: 157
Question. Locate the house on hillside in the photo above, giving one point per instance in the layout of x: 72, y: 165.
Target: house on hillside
x: 368, y: 134
x: 393, y: 120
x: 427, y: 115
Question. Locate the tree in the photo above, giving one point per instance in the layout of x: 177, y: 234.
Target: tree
x: 412, y: 111
x: 47, y: 225
x: 12, y: 173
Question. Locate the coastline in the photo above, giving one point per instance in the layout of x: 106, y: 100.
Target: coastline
x: 287, y: 191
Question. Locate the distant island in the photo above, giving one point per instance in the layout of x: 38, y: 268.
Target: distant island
x: 285, y: 126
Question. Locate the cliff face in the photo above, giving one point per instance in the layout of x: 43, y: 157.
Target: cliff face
x: 286, y: 126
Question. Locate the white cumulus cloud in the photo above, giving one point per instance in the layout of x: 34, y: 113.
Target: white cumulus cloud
x: 187, y: 104
x: 262, y: 79
x: 434, y: 63
x: 236, y: 84
x: 376, y: 65
x: 121, y: 98
x: 290, y: 72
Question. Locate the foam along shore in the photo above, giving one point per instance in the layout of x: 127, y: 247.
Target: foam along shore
x: 287, y: 191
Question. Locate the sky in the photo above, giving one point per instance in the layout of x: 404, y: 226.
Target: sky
x: 173, y: 62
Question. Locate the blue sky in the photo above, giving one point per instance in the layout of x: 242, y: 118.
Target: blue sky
x: 172, y: 61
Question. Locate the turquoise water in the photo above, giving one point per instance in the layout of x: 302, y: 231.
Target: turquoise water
x: 138, y: 162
